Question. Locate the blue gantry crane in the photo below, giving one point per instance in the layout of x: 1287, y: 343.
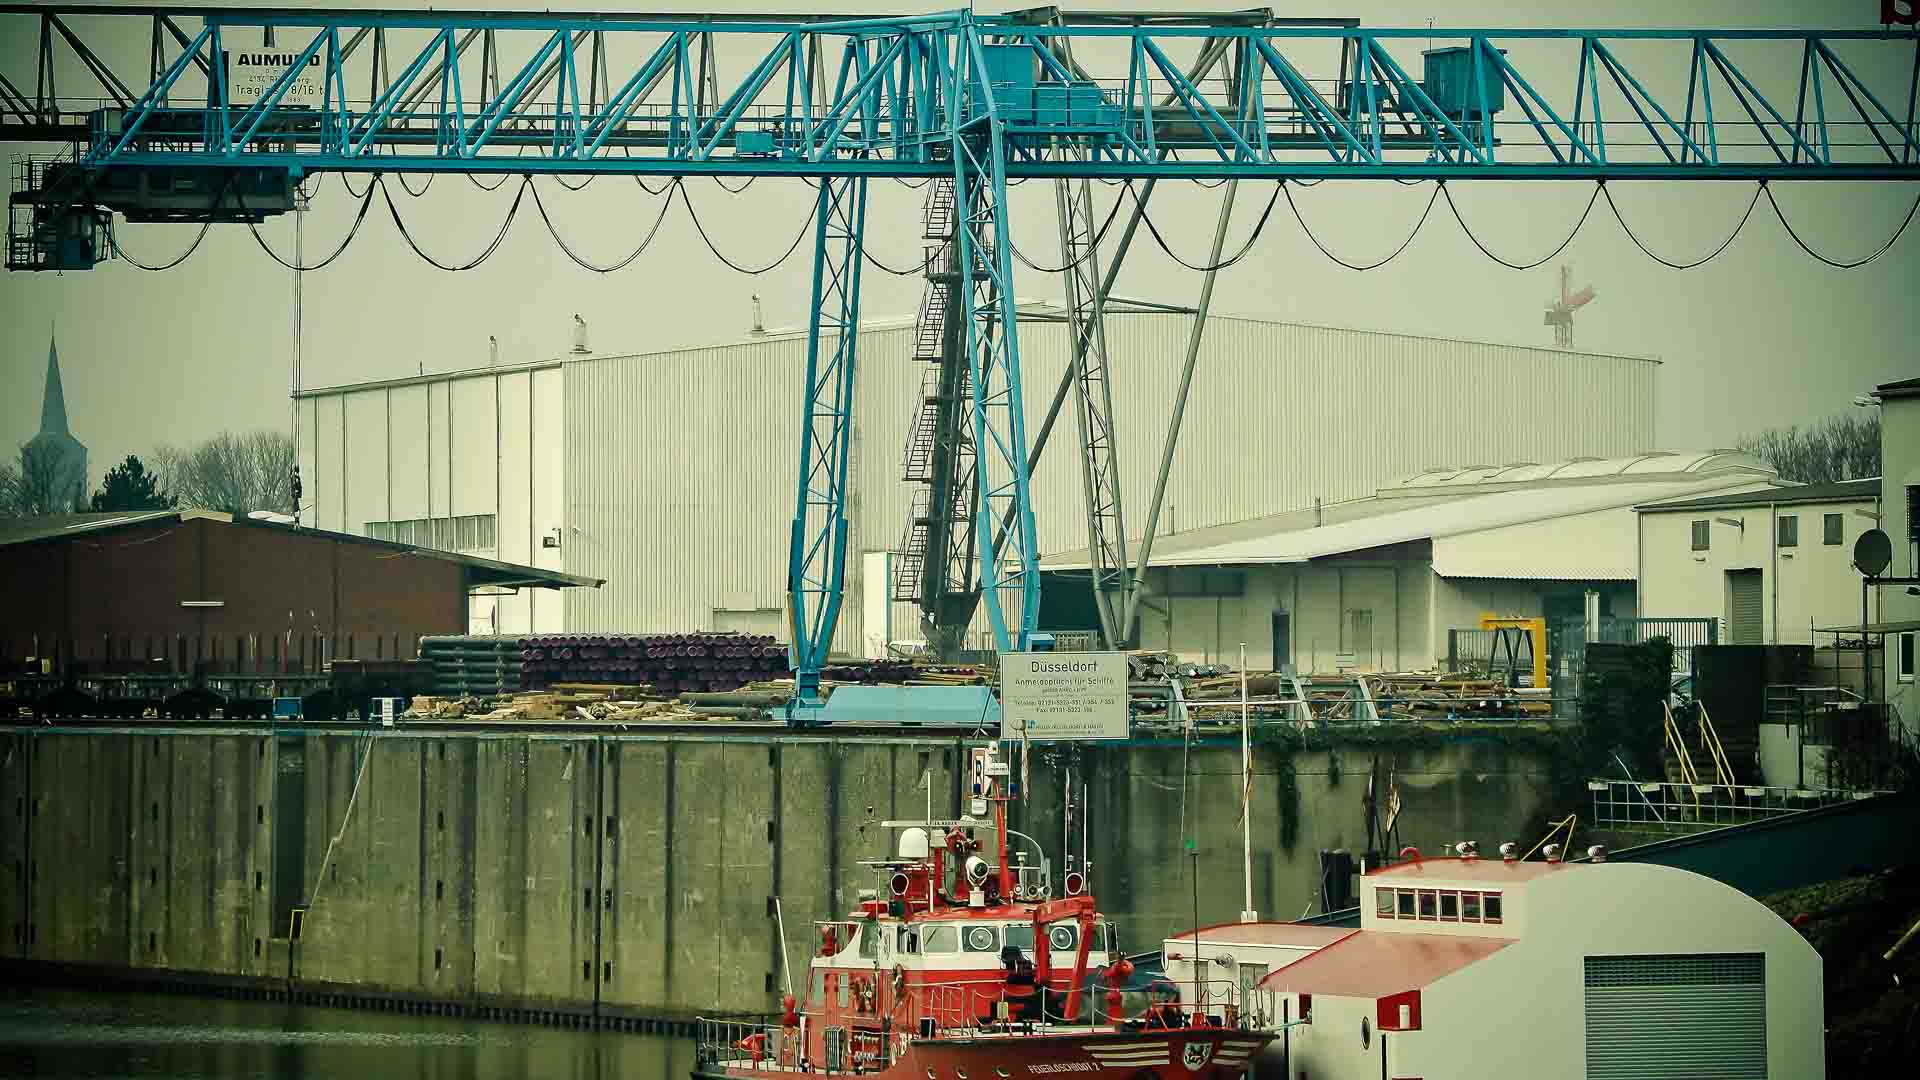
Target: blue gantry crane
x: 228, y: 110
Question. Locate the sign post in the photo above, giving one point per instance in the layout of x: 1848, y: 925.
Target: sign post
x: 1061, y: 696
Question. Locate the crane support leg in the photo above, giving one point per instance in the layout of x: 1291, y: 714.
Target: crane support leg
x: 817, y: 557
x: 1009, y: 582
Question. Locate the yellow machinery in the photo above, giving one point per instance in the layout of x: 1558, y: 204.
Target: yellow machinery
x: 1512, y: 631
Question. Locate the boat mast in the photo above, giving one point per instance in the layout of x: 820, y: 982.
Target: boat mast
x: 1247, y: 914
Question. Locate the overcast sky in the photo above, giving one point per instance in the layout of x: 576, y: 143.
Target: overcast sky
x: 1761, y: 336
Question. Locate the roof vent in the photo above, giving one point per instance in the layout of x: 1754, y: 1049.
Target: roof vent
x: 1467, y: 849
x: 1552, y: 852
x: 1598, y: 853
x: 1507, y: 849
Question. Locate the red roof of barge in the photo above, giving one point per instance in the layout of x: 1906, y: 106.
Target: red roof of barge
x: 1377, y: 964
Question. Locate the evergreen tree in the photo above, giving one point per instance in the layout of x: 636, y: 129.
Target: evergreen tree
x: 129, y: 486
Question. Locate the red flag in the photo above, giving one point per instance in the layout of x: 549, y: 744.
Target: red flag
x: 1900, y: 11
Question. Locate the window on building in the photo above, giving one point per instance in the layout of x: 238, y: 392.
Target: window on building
x: 1789, y: 530
x: 1832, y: 530
x: 1700, y: 535
x: 869, y: 944
x: 1450, y: 907
x: 1020, y: 936
x: 1306, y: 1006
x: 1913, y: 513
x: 1429, y: 904
x: 468, y: 532
x: 1403, y: 905
x: 1906, y: 656
x: 1470, y: 907
x: 1490, y: 907
x: 1383, y: 903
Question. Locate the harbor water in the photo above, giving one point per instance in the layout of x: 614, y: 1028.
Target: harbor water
x: 95, y: 1036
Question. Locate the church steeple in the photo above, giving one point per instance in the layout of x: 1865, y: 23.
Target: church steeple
x: 53, y: 407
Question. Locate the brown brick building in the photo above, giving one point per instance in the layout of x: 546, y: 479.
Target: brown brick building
x: 176, y: 589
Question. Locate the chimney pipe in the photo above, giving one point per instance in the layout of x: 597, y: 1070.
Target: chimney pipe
x: 759, y: 318
x: 493, y: 351
x: 580, y: 337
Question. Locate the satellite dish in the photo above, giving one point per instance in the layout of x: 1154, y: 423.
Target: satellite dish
x: 1872, y: 552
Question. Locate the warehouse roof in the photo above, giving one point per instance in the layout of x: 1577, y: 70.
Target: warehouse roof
x: 1459, y: 509
x: 51, y: 528
x: 1376, y: 964
x: 1844, y: 491
x: 1460, y: 479
x: 1903, y: 388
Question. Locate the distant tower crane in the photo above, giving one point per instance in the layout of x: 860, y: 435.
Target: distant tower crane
x: 1560, y: 312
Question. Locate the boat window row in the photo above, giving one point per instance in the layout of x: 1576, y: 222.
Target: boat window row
x: 1438, y: 905
x: 984, y: 939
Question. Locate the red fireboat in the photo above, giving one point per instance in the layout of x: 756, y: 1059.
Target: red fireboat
x: 964, y: 968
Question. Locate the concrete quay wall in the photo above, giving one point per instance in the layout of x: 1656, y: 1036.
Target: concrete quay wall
x: 615, y: 875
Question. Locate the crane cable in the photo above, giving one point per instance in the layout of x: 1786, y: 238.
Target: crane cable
x: 1404, y: 244
x: 1549, y: 256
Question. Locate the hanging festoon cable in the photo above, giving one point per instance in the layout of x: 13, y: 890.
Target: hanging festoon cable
x: 1669, y: 263
x: 805, y: 229
x: 1549, y: 256
x: 1835, y: 263
x: 1404, y: 244
x: 645, y: 241
x: 493, y: 246
x: 1258, y: 228
x: 297, y: 264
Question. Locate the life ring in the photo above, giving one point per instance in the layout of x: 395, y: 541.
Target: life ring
x: 755, y: 1045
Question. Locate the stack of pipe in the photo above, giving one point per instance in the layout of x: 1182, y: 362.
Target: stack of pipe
x: 469, y: 666
x: 669, y: 663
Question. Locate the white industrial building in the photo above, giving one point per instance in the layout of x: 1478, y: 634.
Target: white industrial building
x: 1898, y: 607
x: 1608, y: 971
x: 1771, y: 564
x: 672, y: 473
x: 1374, y: 584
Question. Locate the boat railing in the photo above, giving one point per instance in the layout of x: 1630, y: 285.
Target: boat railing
x: 961, y: 1007
x: 758, y: 1043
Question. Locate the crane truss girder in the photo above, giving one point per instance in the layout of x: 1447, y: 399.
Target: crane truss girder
x: 883, y: 97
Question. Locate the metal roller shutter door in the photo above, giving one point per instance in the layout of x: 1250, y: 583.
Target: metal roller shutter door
x: 1689, y: 1017
x: 1746, y: 609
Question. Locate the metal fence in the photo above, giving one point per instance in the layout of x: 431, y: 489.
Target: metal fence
x: 1671, y: 807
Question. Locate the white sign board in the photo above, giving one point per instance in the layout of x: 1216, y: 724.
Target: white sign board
x: 1062, y: 695
x: 254, y: 67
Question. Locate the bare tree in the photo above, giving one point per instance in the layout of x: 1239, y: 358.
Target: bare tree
x: 43, y: 483
x: 1842, y: 447
x: 9, y: 490
x: 233, y: 472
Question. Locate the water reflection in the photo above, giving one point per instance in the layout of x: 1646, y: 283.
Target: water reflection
x: 99, y: 1036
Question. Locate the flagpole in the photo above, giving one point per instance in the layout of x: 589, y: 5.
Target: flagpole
x: 1247, y: 914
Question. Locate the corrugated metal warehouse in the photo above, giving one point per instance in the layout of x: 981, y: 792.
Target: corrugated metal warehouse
x: 671, y: 474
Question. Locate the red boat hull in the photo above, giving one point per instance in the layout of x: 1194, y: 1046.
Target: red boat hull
x: 1185, y: 1054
